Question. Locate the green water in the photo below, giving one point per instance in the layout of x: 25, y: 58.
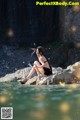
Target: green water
x: 41, y: 102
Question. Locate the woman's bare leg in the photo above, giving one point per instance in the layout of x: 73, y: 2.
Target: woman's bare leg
x: 34, y: 69
x: 38, y: 69
x: 31, y: 72
x: 29, y: 76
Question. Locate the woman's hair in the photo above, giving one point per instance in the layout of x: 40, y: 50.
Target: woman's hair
x: 40, y: 49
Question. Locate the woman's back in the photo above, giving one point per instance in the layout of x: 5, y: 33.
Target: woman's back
x: 46, y: 63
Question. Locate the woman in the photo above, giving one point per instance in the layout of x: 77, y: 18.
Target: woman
x: 42, y: 66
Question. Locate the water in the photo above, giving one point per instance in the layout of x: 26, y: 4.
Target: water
x: 41, y: 102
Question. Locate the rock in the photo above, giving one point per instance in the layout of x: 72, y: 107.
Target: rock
x: 76, y: 75
x: 19, y: 74
x: 31, y: 81
x: 69, y: 75
x: 47, y: 80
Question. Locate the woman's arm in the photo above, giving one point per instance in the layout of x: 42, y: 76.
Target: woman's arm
x: 42, y: 63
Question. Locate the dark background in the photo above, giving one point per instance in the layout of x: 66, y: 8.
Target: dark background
x: 24, y: 25
x: 31, y: 24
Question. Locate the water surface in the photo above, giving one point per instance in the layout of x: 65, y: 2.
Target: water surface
x: 41, y: 102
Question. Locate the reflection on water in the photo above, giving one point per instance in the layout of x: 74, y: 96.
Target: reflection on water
x: 64, y: 107
x: 3, y: 99
x: 58, y: 102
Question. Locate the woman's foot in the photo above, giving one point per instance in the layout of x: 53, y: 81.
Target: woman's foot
x: 24, y: 81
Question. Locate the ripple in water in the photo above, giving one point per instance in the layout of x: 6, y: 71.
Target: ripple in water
x: 56, y: 98
x: 41, y: 104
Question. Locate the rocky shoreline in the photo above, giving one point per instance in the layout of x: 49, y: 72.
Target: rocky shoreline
x: 69, y: 75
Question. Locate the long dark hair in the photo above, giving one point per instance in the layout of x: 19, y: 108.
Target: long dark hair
x: 39, y: 48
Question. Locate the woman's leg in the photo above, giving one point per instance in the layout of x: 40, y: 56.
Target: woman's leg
x: 38, y: 69
x: 29, y: 76
x: 33, y: 70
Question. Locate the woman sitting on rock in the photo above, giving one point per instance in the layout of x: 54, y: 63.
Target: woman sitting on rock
x: 42, y: 66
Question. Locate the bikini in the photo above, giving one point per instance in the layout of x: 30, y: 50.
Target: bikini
x: 47, y: 71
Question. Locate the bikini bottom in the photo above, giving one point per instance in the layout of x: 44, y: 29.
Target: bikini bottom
x: 47, y: 71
